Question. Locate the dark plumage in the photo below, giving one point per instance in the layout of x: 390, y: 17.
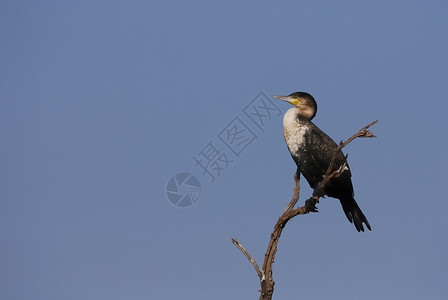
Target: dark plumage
x: 312, y: 150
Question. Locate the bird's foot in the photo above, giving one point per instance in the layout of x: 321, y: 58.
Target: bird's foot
x: 310, y: 204
x: 318, y: 191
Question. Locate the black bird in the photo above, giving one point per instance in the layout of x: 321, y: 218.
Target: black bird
x: 312, y: 150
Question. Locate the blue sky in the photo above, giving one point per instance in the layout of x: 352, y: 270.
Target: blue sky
x: 102, y: 102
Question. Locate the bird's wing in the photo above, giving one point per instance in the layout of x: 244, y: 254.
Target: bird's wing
x: 322, y: 150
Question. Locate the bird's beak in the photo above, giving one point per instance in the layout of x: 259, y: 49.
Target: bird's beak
x: 293, y: 100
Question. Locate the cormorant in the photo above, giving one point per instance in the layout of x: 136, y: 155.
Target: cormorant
x: 312, y: 150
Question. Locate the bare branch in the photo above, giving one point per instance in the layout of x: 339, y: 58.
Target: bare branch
x: 295, y: 192
x: 267, y: 286
x: 364, y: 133
x: 249, y: 257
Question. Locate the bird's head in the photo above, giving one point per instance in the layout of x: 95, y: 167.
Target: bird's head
x: 303, y: 101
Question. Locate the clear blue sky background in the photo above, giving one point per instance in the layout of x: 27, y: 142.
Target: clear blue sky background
x: 101, y: 102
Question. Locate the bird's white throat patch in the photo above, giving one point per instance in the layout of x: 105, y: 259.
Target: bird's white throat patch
x: 293, y: 130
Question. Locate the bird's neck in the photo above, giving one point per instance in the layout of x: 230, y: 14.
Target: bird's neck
x: 293, y: 116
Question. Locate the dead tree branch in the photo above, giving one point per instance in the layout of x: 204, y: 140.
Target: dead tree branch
x: 265, y: 274
x: 249, y: 257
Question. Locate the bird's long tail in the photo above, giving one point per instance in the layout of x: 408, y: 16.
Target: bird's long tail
x: 354, y: 213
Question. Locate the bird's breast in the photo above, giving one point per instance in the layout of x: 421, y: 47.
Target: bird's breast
x: 294, y: 131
